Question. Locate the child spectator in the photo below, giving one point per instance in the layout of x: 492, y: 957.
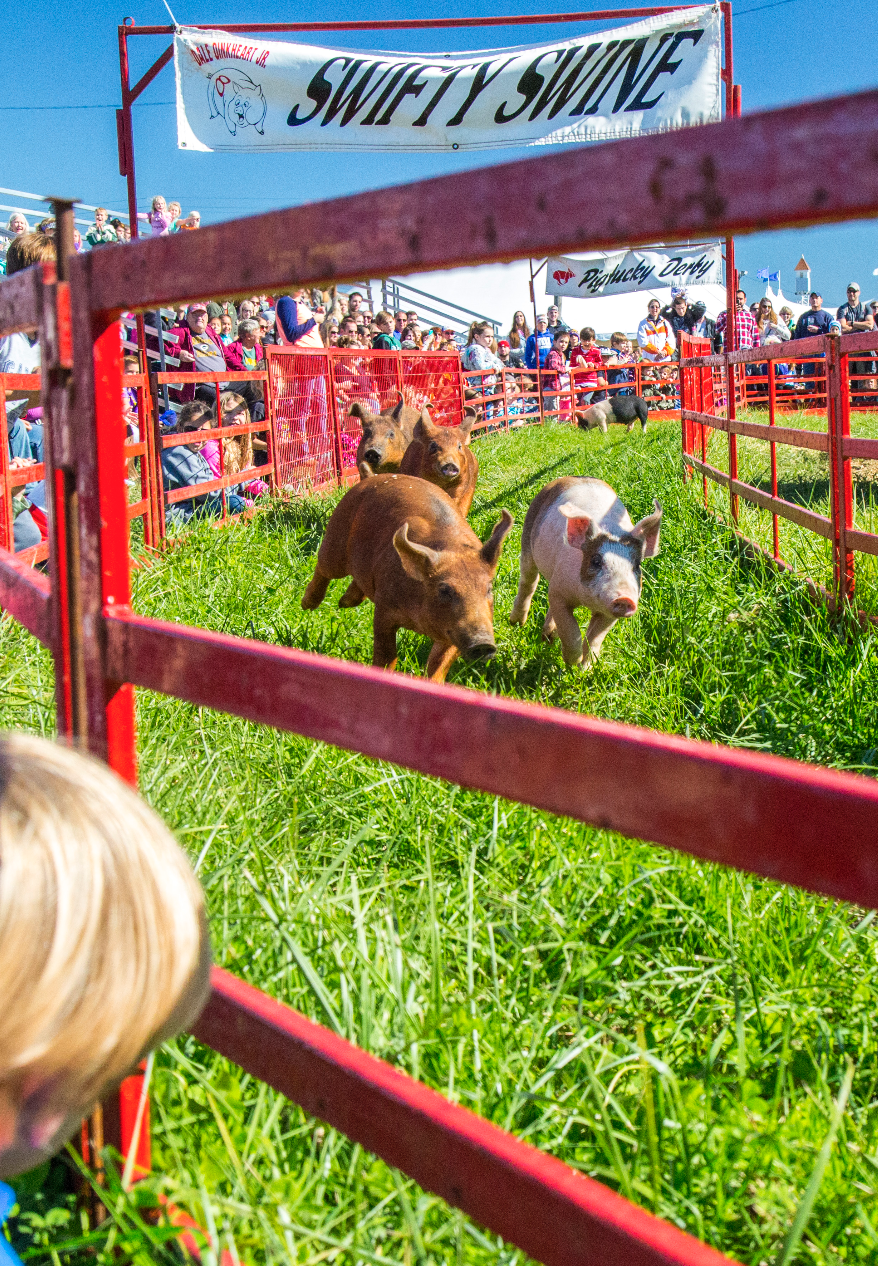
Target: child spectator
x: 479, y: 356
x: 101, y: 232
x: 25, y: 431
x: 385, y: 340
x: 175, y: 211
x: 18, y: 224
x: 192, y: 221
x: 158, y: 218
x: 586, y: 369
x: 237, y: 450
x: 104, y: 948
x: 556, y: 363
x: 226, y: 336
x: 221, y: 308
x: 538, y: 345
x: 620, y: 354
x: 184, y: 466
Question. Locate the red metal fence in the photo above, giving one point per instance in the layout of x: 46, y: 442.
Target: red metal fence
x: 815, y: 380
x: 760, y: 813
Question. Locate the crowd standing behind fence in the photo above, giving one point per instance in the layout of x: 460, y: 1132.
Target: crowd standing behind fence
x: 206, y: 349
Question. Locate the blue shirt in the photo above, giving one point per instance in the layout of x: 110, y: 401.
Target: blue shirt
x: 543, y: 342
x: 811, y: 323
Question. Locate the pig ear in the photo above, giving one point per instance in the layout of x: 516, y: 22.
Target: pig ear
x: 423, y: 426
x: 419, y: 561
x: 490, y: 551
x: 579, y: 526
x: 358, y: 410
x: 468, y: 422
x: 397, y: 408
x: 647, y: 530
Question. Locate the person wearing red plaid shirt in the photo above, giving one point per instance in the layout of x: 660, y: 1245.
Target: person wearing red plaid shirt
x: 746, y: 329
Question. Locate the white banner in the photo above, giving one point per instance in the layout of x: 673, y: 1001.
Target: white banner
x: 626, y: 271
x: 238, y: 94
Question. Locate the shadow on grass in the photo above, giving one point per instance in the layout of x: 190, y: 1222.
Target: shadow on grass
x: 511, y: 490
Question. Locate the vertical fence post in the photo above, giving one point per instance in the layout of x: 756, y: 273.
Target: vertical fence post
x: 335, y: 421
x: 97, y: 443
x: 64, y: 563
x: 154, y: 442
x: 846, y: 491
x: 7, y: 539
x: 269, y: 432
x: 772, y: 406
x: 841, y: 492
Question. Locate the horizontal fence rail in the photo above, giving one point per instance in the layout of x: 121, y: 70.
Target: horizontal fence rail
x: 552, y: 1212
x: 697, y: 182
x: 759, y: 813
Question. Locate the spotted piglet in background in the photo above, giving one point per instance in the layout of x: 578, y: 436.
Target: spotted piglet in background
x: 578, y: 535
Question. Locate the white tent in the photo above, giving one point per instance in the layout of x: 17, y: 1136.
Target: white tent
x: 779, y: 300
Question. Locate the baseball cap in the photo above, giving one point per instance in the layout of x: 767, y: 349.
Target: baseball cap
x: 196, y: 307
x: 852, y: 285
x: 504, y: 342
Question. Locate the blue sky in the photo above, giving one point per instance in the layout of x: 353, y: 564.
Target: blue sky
x: 66, y: 55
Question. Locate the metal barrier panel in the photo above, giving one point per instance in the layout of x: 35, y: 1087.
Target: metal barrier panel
x: 433, y: 379
x: 363, y: 376
x: 807, y: 381
x: 231, y: 456
x: 17, y: 473
x: 307, y: 452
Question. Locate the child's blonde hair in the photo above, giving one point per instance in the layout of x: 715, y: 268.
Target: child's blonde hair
x: 104, y: 949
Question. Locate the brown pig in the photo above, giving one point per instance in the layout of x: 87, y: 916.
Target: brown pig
x: 385, y: 437
x: 442, y: 455
x: 407, y: 548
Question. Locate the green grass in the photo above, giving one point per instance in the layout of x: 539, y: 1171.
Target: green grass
x: 679, y: 1031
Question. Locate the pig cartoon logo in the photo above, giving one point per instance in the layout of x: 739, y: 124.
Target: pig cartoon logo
x: 562, y: 275
x: 233, y: 97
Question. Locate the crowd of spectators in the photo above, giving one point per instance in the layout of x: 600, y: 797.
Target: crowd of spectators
x: 163, y: 219
x: 224, y: 337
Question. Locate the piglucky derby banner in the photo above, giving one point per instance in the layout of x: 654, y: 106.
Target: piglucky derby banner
x: 236, y: 94
x: 624, y: 271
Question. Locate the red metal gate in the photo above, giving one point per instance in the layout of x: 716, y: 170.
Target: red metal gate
x: 827, y: 382
x: 760, y: 813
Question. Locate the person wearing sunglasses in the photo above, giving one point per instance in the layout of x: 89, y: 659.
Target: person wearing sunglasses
x: 855, y: 318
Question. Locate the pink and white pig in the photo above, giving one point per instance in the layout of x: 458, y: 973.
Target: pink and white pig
x: 579, y: 536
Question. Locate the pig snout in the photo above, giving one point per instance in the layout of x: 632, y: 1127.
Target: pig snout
x: 482, y: 649
x: 450, y: 470
x: 372, y: 456
x: 623, y: 606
